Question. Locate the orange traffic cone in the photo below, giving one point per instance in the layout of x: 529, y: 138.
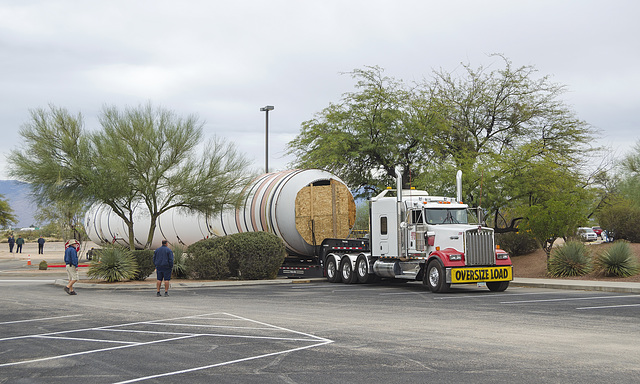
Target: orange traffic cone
x: 28, y: 259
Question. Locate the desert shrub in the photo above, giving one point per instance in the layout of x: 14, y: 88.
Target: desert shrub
x: 207, y: 259
x: 572, y: 259
x: 623, y: 218
x: 618, y: 260
x: 516, y: 243
x: 179, y: 261
x: 249, y: 255
x: 255, y: 255
x: 116, y: 264
x: 144, y: 259
x: 43, y: 265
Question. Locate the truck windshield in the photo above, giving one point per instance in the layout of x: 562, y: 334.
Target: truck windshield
x: 446, y: 216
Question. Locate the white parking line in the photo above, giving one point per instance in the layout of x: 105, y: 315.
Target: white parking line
x: 39, y: 319
x: 568, y: 299
x: 611, y: 306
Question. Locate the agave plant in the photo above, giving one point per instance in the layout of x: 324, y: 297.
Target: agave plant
x: 179, y: 265
x: 572, y: 259
x: 116, y: 264
x: 618, y: 260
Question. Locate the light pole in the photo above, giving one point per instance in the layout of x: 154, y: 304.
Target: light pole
x: 266, y: 109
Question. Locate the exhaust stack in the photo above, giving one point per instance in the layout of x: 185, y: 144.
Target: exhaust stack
x: 459, y: 186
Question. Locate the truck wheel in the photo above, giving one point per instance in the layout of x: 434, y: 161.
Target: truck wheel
x: 332, y: 270
x: 435, y: 278
x: 497, y: 286
x: 346, y: 271
x: 362, y: 270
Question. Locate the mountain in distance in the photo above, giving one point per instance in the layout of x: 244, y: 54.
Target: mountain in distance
x: 17, y: 194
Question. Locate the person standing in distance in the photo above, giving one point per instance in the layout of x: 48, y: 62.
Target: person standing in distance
x: 163, y: 260
x: 11, y: 242
x: 40, y: 245
x: 19, y: 244
x: 71, y: 261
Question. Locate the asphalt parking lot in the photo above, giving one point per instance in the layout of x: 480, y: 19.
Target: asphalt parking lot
x: 317, y: 333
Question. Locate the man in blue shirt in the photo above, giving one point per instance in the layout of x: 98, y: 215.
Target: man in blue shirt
x: 71, y: 263
x: 163, y: 260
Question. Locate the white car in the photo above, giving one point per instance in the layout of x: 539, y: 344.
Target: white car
x: 587, y: 234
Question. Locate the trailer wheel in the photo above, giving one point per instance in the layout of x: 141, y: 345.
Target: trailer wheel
x: 346, y: 271
x: 497, y: 286
x: 362, y: 270
x: 331, y: 270
x: 435, y: 278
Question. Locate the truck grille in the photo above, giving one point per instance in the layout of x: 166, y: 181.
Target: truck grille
x: 479, y: 247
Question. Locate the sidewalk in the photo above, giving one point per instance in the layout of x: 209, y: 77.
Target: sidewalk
x: 14, y: 267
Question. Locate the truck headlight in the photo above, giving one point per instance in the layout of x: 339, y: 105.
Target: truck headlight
x: 503, y: 256
x: 455, y: 257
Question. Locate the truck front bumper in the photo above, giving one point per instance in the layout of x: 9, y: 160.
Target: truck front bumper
x: 479, y: 274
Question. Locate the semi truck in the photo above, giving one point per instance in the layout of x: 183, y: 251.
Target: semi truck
x: 415, y: 236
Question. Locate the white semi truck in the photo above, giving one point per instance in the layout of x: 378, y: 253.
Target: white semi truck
x: 415, y: 236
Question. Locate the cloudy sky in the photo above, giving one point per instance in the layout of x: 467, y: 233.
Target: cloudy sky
x: 223, y: 60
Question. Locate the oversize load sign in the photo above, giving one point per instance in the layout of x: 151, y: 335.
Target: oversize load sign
x: 473, y: 275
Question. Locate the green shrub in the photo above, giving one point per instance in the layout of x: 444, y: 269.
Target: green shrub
x: 516, y: 243
x: 623, y: 218
x: 618, y: 260
x: 255, y: 255
x: 208, y: 260
x: 144, y: 260
x: 249, y: 256
x: 116, y: 264
x: 43, y: 265
x: 179, y: 261
x: 572, y: 259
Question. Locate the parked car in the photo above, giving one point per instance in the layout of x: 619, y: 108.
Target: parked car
x: 597, y: 230
x: 587, y: 234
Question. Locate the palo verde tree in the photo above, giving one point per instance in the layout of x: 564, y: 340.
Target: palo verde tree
x: 156, y: 153
x: 6, y: 213
x: 143, y: 157
x: 53, y: 158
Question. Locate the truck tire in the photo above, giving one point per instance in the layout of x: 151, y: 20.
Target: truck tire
x: 434, y: 277
x: 331, y: 270
x: 362, y: 270
x: 497, y: 286
x: 347, y: 273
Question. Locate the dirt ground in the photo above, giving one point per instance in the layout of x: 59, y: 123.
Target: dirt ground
x: 534, y: 265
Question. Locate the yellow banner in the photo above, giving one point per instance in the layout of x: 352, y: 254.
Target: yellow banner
x: 473, y: 275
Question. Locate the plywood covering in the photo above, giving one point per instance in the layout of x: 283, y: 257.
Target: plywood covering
x: 324, y: 211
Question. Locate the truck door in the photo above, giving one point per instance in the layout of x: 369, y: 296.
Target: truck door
x: 384, y: 235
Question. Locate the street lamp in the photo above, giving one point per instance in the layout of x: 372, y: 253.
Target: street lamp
x: 266, y: 109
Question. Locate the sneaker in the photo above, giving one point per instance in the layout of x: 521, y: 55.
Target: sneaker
x: 158, y: 294
x: 73, y: 293
x: 66, y: 289
x: 166, y: 294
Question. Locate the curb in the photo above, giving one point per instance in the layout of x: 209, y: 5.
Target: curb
x: 580, y: 285
x: 151, y: 284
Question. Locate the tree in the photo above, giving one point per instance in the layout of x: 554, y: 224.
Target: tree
x: 620, y: 210
x: 6, y: 213
x: 363, y: 138
x: 154, y: 152
x: 142, y: 157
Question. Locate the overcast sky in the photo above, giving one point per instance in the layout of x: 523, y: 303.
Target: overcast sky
x: 223, y: 60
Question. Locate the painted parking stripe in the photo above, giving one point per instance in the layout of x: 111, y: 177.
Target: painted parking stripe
x: 569, y: 299
x: 39, y: 319
x: 611, y: 306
